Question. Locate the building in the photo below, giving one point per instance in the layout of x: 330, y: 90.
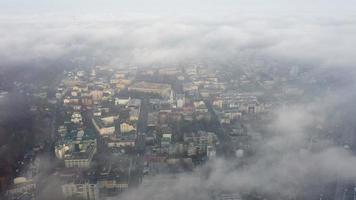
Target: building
x: 199, y: 143
x: 152, y: 119
x: 97, y: 95
x: 81, y: 159
x: 104, y: 121
x: 190, y: 87
x: 180, y: 98
x: 166, y: 139
x: 22, y: 189
x: 200, y: 106
x: 169, y: 71
x: 134, y: 114
x: 102, y: 128
x: 245, y: 103
x: 210, y: 152
x: 121, y: 101
x: 76, y: 118
x: 133, y: 104
x: 127, y: 140
x: 163, y: 90
x: 112, y: 181
x: 127, y: 127
x: 82, y: 189
x: 75, y: 141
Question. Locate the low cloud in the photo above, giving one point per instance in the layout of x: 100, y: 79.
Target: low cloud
x: 295, y: 160
x: 142, y: 41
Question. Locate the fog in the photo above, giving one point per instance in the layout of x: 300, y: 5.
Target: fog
x: 288, y: 162
x: 172, y: 7
x: 309, y: 40
x: 287, y: 165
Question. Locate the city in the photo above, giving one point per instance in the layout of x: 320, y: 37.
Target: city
x: 110, y: 130
x: 178, y: 100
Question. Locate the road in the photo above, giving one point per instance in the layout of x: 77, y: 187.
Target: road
x: 224, y: 148
x: 142, y: 126
x: 137, y: 162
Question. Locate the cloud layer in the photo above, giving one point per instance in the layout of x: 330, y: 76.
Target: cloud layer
x: 139, y: 41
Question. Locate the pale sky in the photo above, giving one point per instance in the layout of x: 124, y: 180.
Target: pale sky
x: 78, y: 7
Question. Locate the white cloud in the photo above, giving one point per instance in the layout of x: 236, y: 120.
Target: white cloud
x: 161, y: 40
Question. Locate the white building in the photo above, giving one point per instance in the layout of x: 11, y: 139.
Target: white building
x: 80, y: 159
x: 81, y: 190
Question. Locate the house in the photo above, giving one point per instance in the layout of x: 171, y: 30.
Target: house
x: 126, y: 127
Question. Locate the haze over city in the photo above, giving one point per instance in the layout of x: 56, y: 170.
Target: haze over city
x: 177, y: 100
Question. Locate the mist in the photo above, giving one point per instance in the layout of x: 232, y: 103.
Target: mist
x: 288, y: 164
x: 301, y: 150
x: 307, y: 40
